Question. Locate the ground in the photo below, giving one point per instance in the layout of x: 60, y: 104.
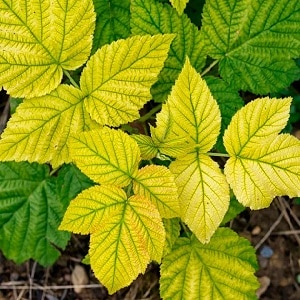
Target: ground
x: 277, y: 227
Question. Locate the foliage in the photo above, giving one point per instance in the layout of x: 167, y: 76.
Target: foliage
x: 69, y: 162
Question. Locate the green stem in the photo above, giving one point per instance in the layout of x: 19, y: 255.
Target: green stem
x: 209, y: 67
x: 149, y: 114
x: 71, y: 79
x: 53, y: 171
x: 218, y: 154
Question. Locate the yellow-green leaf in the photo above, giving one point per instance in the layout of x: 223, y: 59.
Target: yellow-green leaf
x: 106, y: 155
x: 194, y: 114
x: 40, y: 39
x: 118, y: 77
x: 263, y: 163
x: 158, y: 185
x: 203, y: 193
x: 87, y: 210
x: 128, y: 238
x: 172, y: 227
x: 179, y: 5
x: 40, y: 128
x: 146, y: 145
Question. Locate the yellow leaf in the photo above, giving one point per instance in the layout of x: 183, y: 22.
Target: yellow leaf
x: 179, y: 5
x: 191, y: 113
x: 127, y: 70
x: 106, y: 155
x: 158, y: 185
x: 126, y: 241
x: 263, y: 164
x: 40, y: 39
x: 40, y: 128
x: 146, y: 145
x: 203, y: 193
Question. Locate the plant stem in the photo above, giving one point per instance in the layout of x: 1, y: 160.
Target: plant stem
x: 71, y: 79
x: 209, y: 67
x: 149, y: 114
x: 218, y: 154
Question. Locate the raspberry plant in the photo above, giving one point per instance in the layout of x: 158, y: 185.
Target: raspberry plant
x: 72, y: 159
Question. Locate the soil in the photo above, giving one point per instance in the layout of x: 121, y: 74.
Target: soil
x: 274, y: 231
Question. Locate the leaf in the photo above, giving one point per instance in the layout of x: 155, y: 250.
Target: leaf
x: 128, y: 70
x: 234, y: 209
x: 203, y: 193
x: 106, y: 155
x: 126, y: 234
x: 152, y: 17
x: 222, y: 269
x: 194, y: 114
x: 172, y: 228
x: 32, y: 205
x: 112, y: 21
x: 158, y: 185
x: 40, y: 128
x: 255, y: 42
x: 146, y: 145
x: 179, y: 5
x: 263, y: 164
x: 40, y: 39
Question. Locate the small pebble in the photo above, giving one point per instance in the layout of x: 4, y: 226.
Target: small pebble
x: 256, y: 230
x: 298, y: 278
x: 266, y: 252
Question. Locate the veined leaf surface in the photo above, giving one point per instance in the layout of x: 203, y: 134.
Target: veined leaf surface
x: 222, y: 269
x: 203, y: 193
x: 32, y: 205
x: 118, y: 77
x: 172, y: 228
x: 263, y: 164
x: 106, y: 155
x: 152, y: 17
x: 179, y: 5
x: 40, y: 39
x: 157, y: 184
x: 126, y: 234
x: 112, y: 21
x: 254, y: 41
x: 40, y: 128
x: 146, y: 145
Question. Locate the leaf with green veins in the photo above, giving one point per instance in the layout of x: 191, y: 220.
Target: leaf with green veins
x: 228, y: 100
x: 262, y: 164
x: 172, y: 228
x: 222, y: 269
x: 157, y: 184
x: 122, y: 230
x: 106, y: 155
x: 40, y: 39
x: 32, y: 205
x: 179, y: 5
x: 40, y: 128
x: 203, y: 193
x: 128, y: 70
x: 255, y: 42
x: 146, y: 145
x: 151, y: 17
x: 112, y: 21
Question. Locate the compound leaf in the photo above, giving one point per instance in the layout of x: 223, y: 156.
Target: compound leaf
x: 112, y: 21
x: 128, y: 68
x: 254, y: 41
x: 40, y: 39
x: 222, y: 269
x: 158, y: 185
x: 32, y: 205
x: 263, y: 164
x: 106, y: 155
x: 152, y: 17
x: 179, y: 5
x: 40, y: 128
x: 203, y: 193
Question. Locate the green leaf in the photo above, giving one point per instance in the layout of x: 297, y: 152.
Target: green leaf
x: 40, y: 128
x: 158, y: 185
x: 146, y: 145
x: 152, y: 17
x: 179, y: 5
x: 128, y: 70
x: 222, y: 269
x: 32, y: 205
x: 40, y: 39
x: 255, y: 42
x: 126, y: 233
x: 263, y: 164
x: 106, y: 155
x: 112, y: 21
x: 234, y: 209
x: 172, y: 228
